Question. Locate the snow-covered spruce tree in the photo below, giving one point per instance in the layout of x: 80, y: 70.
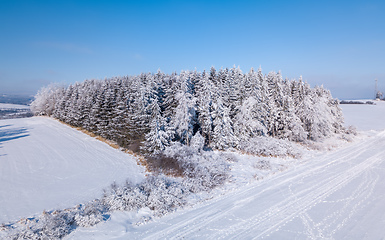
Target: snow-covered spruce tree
x: 205, y: 90
x: 184, y: 115
x: 120, y: 113
x: 223, y: 134
x: 83, y: 107
x: 248, y: 120
x: 159, y: 135
x: 236, y: 90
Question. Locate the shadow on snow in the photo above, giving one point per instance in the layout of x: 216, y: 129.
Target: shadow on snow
x: 12, y: 133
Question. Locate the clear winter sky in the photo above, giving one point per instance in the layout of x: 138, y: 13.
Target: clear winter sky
x: 340, y: 44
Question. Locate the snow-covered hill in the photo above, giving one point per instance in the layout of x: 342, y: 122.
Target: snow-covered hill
x: 338, y: 195
x: 335, y: 194
x: 46, y: 165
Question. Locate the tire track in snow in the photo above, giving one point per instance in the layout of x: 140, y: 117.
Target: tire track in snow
x: 274, y: 217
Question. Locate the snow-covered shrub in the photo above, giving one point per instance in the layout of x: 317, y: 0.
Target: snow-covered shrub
x: 164, y: 194
x: 263, y: 165
x: 270, y: 147
x: 203, y: 169
x: 159, y: 193
x: 197, y: 142
x: 57, y: 224
x: 89, y: 214
x: 50, y: 225
x: 351, y: 130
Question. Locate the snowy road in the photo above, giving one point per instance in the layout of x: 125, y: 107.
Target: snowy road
x: 46, y: 165
x: 339, y: 195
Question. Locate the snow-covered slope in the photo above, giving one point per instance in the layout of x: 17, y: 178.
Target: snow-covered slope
x: 333, y: 195
x: 338, y: 195
x: 46, y: 165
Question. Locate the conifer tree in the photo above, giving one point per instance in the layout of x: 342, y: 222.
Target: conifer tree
x: 223, y: 134
x: 184, y: 116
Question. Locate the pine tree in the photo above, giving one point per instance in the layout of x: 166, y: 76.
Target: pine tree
x: 248, y: 122
x: 223, y: 135
x: 205, y: 92
x: 184, y: 117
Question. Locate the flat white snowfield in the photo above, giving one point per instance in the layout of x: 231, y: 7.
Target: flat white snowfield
x: 46, y: 165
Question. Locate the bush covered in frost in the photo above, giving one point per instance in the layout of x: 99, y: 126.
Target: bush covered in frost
x: 57, y: 224
x: 270, y: 147
x: 203, y: 170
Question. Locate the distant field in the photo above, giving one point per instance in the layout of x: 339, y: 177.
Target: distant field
x: 365, y: 116
x: 8, y: 111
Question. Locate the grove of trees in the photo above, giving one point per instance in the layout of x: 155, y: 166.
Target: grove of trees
x: 220, y: 109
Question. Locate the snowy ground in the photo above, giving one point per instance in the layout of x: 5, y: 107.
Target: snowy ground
x: 46, y: 165
x: 334, y: 194
x: 338, y: 195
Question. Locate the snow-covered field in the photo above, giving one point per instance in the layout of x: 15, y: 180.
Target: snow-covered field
x: 8, y: 110
x: 365, y: 116
x: 6, y: 106
x: 46, y: 165
x: 334, y: 194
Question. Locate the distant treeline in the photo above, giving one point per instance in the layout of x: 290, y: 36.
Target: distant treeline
x: 356, y: 102
x: 217, y: 109
x: 16, y: 99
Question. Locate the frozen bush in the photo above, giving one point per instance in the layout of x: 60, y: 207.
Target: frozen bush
x: 164, y: 195
x: 197, y: 142
x: 89, y: 214
x: 203, y: 169
x: 270, y: 147
x: 50, y: 225
x: 160, y: 193
x: 57, y: 224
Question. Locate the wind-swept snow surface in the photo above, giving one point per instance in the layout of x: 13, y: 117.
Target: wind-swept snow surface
x: 333, y: 195
x: 46, y: 165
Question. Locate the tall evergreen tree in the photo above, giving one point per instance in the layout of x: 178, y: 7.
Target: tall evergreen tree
x: 184, y: 117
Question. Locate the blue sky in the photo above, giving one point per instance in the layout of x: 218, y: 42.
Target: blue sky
x: 340, y: 44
